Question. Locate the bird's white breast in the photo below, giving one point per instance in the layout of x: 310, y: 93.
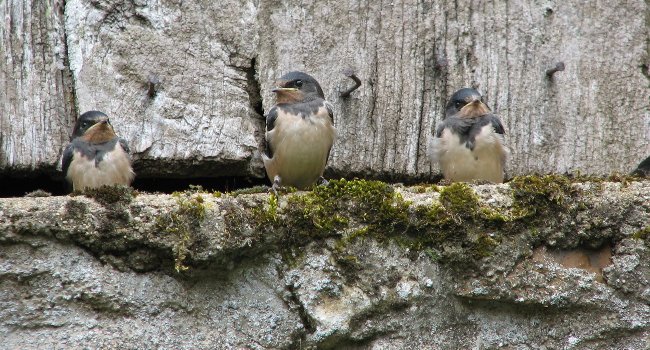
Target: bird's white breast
x: 300, y: 147
x: 114, y: 168
x: 459, y: 163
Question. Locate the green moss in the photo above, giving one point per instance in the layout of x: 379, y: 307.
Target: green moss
x: 328, y: 209
x: 433, y: 255
x: 536, y: 195
x: 76, y: 209
x: 343, y: 242
x: 110, y: 194
x: 267, y: 216
x: 250, y: 190
x: 484, y: 245
x: 459, y: 228
x: 182, y: 222
x: 642, y: 234
x: 460, y: 200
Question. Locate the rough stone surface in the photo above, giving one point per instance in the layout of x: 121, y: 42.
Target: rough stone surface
x: 412, y: 55
x: 36, y: 95
x: 186, y: 82
x: 199, y: 57
x: 78, y: 272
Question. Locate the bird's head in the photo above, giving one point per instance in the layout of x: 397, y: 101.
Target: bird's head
x: 94, y: 127
x: 297, y: 87
x: 466, y: 103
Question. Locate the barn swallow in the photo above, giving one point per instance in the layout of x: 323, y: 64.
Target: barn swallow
x: 299, y: 132
x: 96, y: 156
x: 468, y: 144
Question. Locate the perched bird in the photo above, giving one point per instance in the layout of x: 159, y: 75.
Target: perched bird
x: 468, y: 144
x: 96, y: 156
x: 299, y: 132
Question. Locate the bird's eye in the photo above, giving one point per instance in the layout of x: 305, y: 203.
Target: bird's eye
x: 298, y: 83
x: 84, y: 124
x: 459, y: 104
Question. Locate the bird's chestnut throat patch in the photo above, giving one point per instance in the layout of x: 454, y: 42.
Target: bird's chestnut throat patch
x: 99, y: 133
x: 289, y: 96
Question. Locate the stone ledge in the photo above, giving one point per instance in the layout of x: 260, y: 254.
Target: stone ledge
x: 355, y: 262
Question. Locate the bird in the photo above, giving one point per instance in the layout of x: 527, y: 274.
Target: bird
x: 469, y: 143
x: 300, y: 133
x: 96, y: 156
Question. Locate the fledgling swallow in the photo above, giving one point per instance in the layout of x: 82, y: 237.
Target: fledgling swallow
x: 299, y: 132
x: 468, y: 144
x: 96, y: 156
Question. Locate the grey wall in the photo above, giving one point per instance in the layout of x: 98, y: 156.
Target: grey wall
x: 215, y: 59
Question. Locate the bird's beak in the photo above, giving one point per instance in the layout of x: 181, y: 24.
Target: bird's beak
x: 474, y: 109
x: 104, y: 123
x: 287, y: 95
x: 102, y: 131
x: 283, y: 89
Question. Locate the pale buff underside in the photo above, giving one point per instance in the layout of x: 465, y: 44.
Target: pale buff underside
x: 114, y: 169
x: 300, y: 148
x: 459, y: 163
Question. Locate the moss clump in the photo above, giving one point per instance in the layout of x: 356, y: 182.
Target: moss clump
x: 458, y: 229
x: 373, y: 203
x: 328, y: 210
x: 460, y: 201
x: 268, y: 215
x: 110, y: 194
x: 484, y: 245
x: 76, y: 209
x: 535, y: 195
x: 642, y: 233
x: 185, y: 219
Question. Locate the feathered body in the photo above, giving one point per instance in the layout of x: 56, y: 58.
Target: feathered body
x: 468, y: 144
x: 299, y: 132
x: 96, y: 156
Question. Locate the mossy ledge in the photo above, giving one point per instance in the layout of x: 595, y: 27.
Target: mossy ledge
x: 459, y: 224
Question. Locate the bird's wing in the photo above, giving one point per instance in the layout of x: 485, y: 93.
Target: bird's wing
x: 440, y: 128
x: 330, y: 110
x: 68, y: 153
x: 270, y: 124
x: 271, y: 117
x: 496, y: 124
x: 479, y: 123
x: 124, y: 145
x: 434, y: 143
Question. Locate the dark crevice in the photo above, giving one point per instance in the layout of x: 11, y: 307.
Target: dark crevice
x: 306, y: 320
x: 253, y: 88
x: 293, y: 303
x: 645, y: 70
x: 18, y: 183
x: 18, y: 186
x: 69, y: 84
